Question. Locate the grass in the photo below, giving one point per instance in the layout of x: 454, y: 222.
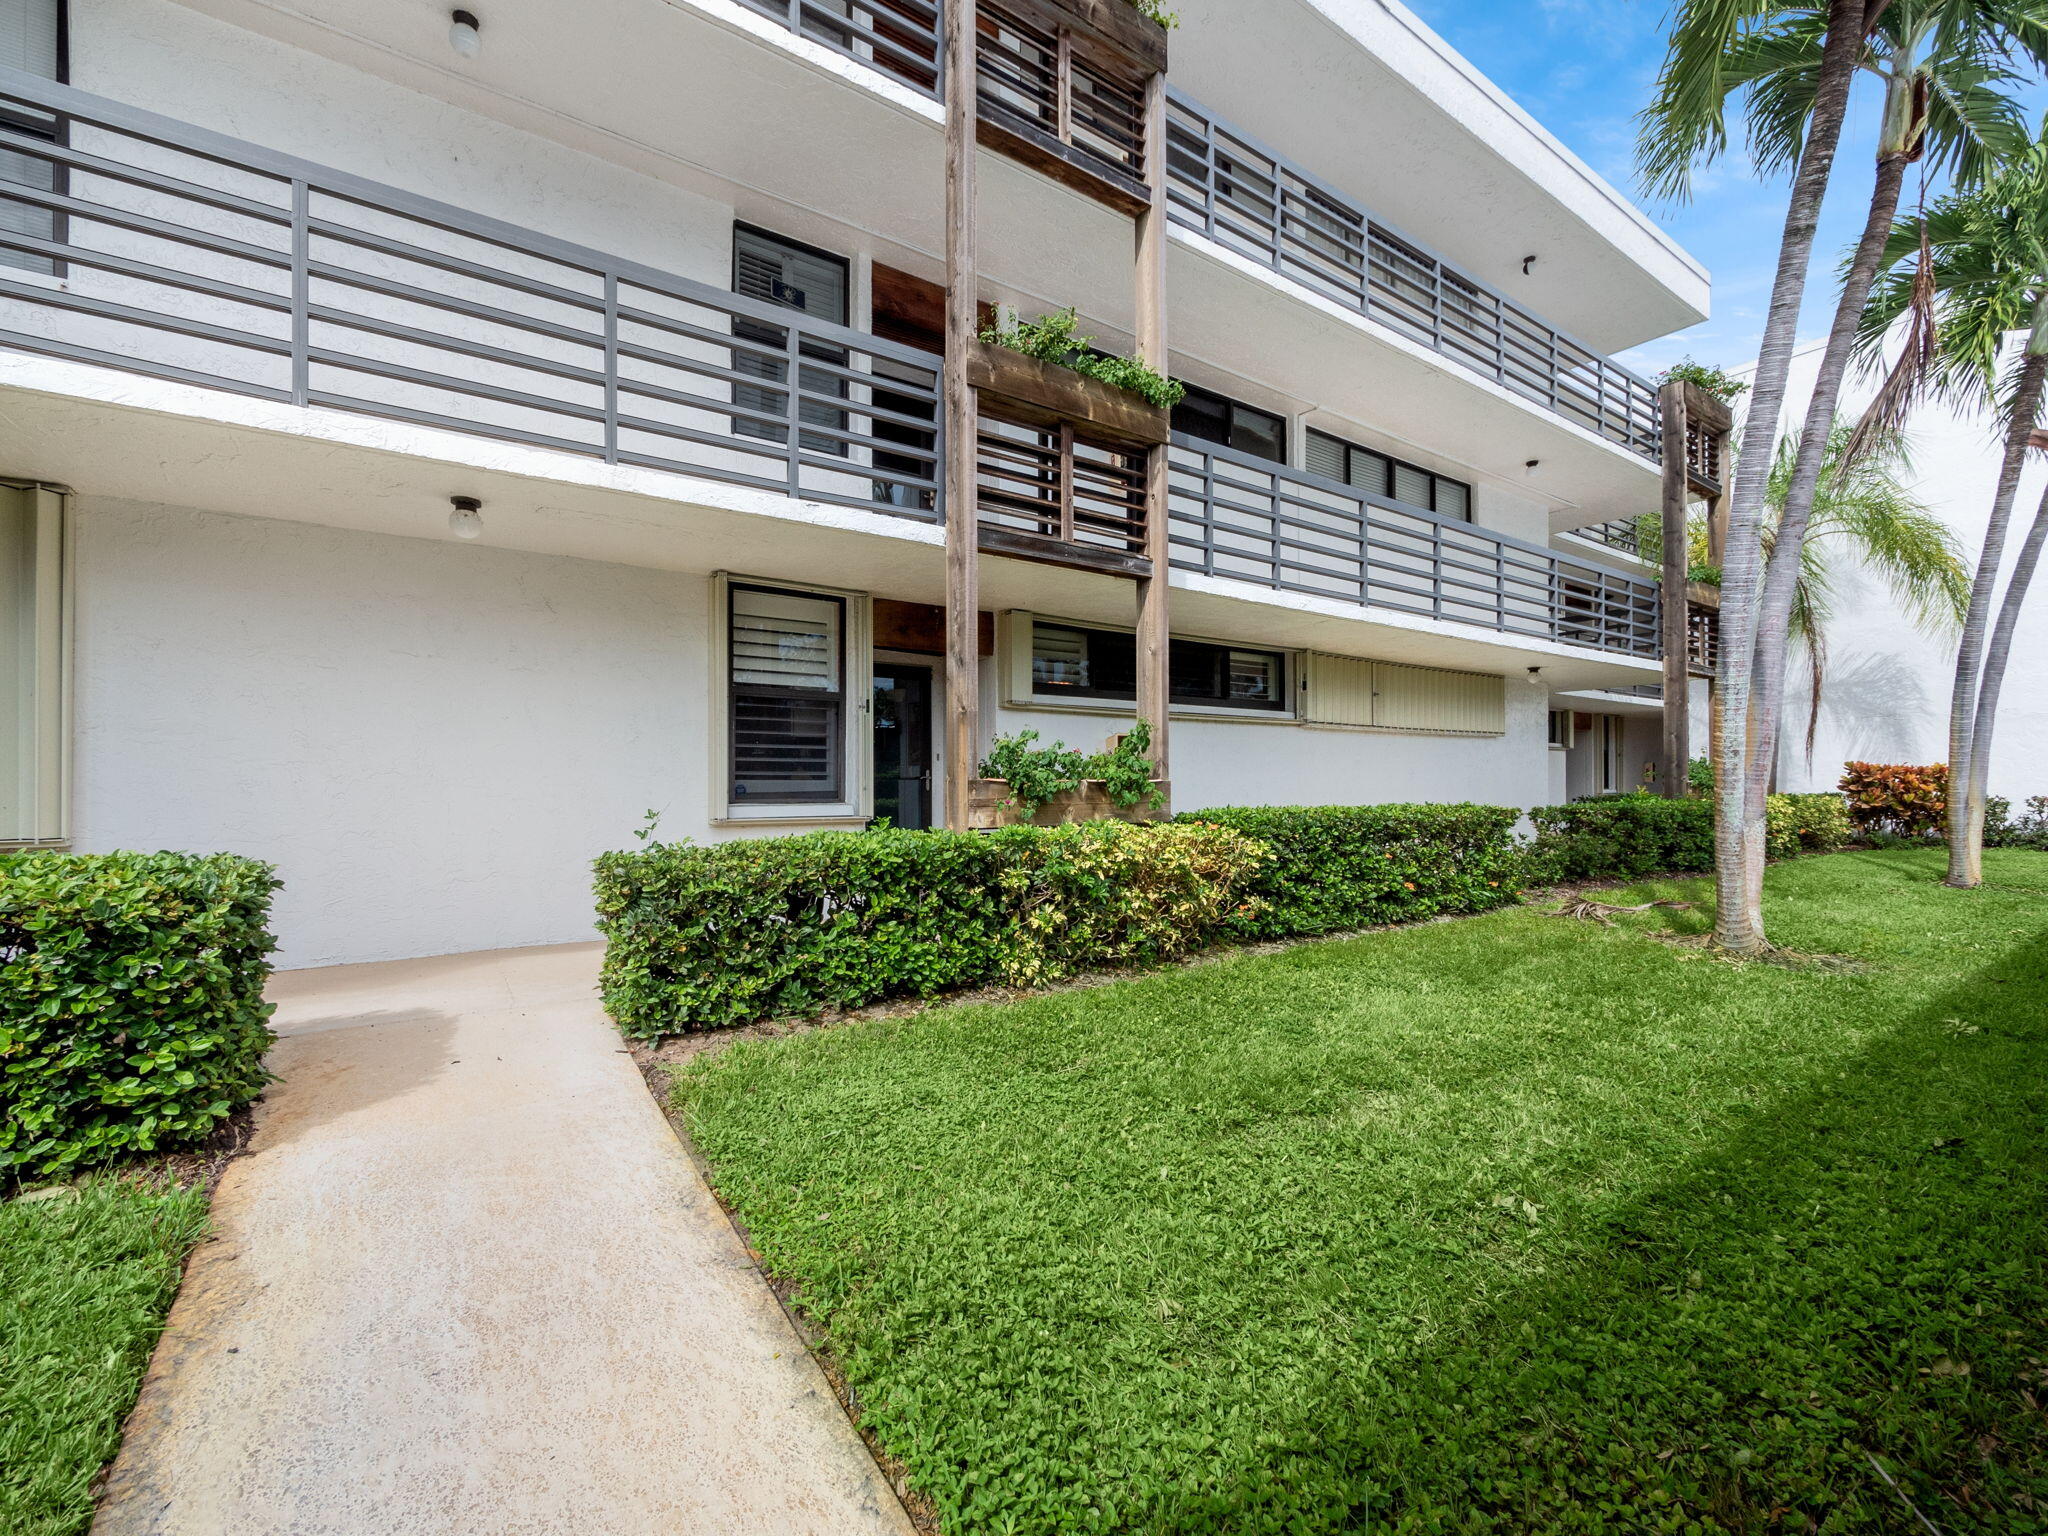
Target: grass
x: 1513, y: 1223
x: 85, y: 1281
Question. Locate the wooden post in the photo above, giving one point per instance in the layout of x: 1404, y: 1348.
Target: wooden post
x: 1677, y: 552
x: 1153, y: 629
x: 963, y: 585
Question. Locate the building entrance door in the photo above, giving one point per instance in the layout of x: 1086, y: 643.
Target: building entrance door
x: 903, y: 744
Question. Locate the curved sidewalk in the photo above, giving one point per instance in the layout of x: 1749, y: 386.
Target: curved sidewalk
x: 466, y: 1280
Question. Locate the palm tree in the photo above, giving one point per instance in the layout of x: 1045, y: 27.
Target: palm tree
x: 1684, y: 126
x: 1967, y: 276
x: 1945, y: 70
x: 1863, y: 508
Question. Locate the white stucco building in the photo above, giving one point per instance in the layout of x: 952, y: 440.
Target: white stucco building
x: 1886, y: 683
x: 641, y: 294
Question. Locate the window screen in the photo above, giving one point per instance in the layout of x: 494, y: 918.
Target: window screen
x: 1103, y: 664
x: 791, y: 276
x: 1389, y: 477
x: 30, y: 40
x: 788, y: 695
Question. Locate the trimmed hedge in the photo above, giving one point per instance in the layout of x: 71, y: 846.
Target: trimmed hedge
x: 132, y: 1016
x: 702, y: 937
x: 1623, y: 836
x: 1337, y: 867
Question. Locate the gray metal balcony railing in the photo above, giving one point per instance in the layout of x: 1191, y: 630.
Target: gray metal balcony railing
x: 1241, y: 194
x: 191, y: 256
x: 1245, y: 518
x: 1621, y: 535
x: 182, y: 254
x: 1251, y: 200
x: 898, y: 37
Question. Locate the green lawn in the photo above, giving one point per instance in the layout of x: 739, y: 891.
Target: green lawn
x: 1512, y: 1223
x: 85, y: 1282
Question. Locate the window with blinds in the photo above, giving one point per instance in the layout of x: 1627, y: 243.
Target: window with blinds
x: 31, y: 39
x: 792, y: 276
x: 1382, y: 475
x: 788, y: 696
x: 1071, y: 662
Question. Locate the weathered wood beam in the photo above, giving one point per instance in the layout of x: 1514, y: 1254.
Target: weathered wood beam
x: 963, y: 584
x: 1154, y: 677
x: 1677, y: 676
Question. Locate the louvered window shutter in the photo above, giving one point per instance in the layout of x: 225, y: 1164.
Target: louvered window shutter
x: 788, y: 702
x: 1323, y: 455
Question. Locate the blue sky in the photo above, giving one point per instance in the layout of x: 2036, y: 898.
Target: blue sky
x: 1583, y: 68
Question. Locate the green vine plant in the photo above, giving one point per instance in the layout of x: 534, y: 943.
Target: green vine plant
x: 1054, y: 339
x: 1038, y: 775
x: 1718, y: 382
x: 1159, y: 13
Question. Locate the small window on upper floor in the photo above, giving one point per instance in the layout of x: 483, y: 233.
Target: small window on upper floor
x: 1386, y: 476
x: 1216, y: 418
x: 790, y: 275
x: 31, y: 40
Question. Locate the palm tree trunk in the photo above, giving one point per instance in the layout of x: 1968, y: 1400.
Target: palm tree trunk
x: 1995, y: 658
x: 1781, y: 576
x: 1963, y: 712
x: 1736, y: 928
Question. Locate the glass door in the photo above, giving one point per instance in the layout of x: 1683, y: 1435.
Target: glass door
x: 903, y: 745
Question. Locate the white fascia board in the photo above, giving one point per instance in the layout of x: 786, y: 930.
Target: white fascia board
x: 1393, y: 33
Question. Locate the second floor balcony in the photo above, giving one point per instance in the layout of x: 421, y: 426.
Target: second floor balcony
x: 140, y: 244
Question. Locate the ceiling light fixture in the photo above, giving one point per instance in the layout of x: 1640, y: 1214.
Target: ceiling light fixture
x: 467, y: 520
x: 465, y: 34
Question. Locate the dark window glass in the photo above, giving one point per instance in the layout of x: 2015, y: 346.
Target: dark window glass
x: 1393, y: 478
x: 793, y: 276
x: 1103, y: 664
x: 787, y: 668
x: 1215, y: 418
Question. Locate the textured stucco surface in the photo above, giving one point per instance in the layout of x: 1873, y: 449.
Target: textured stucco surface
x: 431, y: 740
x: 467, y: 1280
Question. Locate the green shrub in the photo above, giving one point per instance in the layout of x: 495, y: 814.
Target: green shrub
x: 1038, y: 775
x: 1904, y: 799
x: 1336, y: 867
x: 131, y: 1002
x: 1806, y: 824
x: 700, y: 937
x: 1053, y: 338
x: 1623, y: 836
x: 2002, y: 829
x: 1620, y: 837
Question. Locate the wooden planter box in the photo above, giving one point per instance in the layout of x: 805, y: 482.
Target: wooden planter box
x: 1045, y: 394
x: 989, y: 805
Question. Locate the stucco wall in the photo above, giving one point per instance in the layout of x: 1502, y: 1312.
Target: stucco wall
x: 430, y: 740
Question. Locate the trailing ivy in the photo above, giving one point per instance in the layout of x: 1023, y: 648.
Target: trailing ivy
x: 1053, y: 339
x: 132, y: 1016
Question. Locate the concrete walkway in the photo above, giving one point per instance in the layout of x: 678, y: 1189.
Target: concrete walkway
x: 468, y: 1281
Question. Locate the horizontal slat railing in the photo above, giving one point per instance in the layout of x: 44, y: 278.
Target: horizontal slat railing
x: 1246, y: 197
x: 1245, y: 519
x: 191, y: 256
x: 1622, y: 535
x: 898, y: 37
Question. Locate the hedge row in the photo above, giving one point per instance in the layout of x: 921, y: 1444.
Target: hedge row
x: 1335, y: 867
x: 131, y: 1002
x: 1623, y: 836
x: 699, y: 937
